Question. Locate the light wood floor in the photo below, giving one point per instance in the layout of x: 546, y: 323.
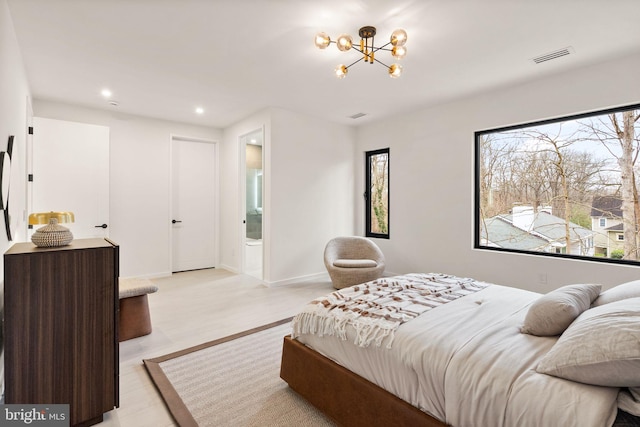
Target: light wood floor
x: 191, y: 308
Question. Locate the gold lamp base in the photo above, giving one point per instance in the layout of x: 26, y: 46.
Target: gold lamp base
x: 52, y: 235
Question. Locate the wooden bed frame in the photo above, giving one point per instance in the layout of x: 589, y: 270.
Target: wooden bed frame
x: 342, y: 395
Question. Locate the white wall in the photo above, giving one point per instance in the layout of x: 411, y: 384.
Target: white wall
x: 309, y: 191
x: 432, y: 187
x: 139, y: 181
x: 14, y: 96
x: 312, y: 191
x: 14, y: 120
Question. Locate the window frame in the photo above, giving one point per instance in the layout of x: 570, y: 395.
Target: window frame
x: 367, y: 193
x: 477, y: 195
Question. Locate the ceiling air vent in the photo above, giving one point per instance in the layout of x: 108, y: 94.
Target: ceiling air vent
x: 553, y: 55
x: 357, y: 115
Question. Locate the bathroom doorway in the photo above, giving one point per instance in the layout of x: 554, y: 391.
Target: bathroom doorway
x: 251, y: 145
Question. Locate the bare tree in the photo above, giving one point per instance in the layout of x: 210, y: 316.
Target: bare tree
x: 557, y: 144
x: 379, y: 193
x: 538, y: 166
x: 618, y: 136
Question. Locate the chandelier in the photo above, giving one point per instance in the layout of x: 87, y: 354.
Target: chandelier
x: 367, y: 49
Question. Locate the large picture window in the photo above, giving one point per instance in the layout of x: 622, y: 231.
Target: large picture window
x: 377, y: 193
x: 565, y: 187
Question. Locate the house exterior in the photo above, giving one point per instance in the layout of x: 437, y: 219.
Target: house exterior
x: 606, y: 223
x: 538, y: 230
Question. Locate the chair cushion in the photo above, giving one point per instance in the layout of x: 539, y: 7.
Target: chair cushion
x: 134, y: 287
x: 355, y: 263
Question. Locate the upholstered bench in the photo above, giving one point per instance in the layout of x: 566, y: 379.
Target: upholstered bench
x: 135, y: 320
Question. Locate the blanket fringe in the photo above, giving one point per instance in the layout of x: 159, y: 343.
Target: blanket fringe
x: 368, y: 331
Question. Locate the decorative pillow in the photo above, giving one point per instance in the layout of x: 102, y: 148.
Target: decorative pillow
x: 617, y: 293
x: 600, y: 347
x: 552, y: 313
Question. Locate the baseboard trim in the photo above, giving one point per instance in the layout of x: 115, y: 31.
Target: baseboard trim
x: 229, y: 268
x: 149, y: 276
x: 310, y: 277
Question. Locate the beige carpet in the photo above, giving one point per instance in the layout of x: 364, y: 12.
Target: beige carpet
x: 234, y: 381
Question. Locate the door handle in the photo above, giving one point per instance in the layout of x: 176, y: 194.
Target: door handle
x: 101, y: 226
x: 173, y: 221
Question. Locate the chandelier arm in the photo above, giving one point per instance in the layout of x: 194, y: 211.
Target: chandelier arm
x: 374, y: 49
x: 382, y: 47
x: 382, y: 63
x: 353, y: 63
x: 361, y: 51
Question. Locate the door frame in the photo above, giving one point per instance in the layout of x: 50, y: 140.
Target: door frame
x: 242, y: 147
x: 216, y: 199
x: 28, y: 165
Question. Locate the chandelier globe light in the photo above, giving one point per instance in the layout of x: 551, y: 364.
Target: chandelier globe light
x: 322, y: 40
x: 341, y: 71
x: 367, y: 49
x: 344, y: 42
x: 399, y: 37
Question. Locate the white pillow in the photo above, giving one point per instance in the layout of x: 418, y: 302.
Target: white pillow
x: 617, y: 293
x: 600, y: 347
x: 552, y: 313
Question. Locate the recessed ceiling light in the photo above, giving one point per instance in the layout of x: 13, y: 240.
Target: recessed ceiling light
x: 106, y: 93
x: 199, y: 110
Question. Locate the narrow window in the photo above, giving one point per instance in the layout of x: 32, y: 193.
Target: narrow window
x: 603, y: 222
x: 377, y: 193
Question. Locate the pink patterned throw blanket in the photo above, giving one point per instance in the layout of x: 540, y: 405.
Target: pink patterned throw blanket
x: 376, y: 309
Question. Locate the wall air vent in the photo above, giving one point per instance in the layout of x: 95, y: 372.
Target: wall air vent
x: 553, y: 55
x: 357, y: 115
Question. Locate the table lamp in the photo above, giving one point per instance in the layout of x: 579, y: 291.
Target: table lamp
x: 52, y: 234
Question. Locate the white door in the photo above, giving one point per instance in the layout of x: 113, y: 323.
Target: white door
x: 193, y: 221
x: 70, y: 168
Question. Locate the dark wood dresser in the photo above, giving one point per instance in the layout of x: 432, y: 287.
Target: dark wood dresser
x: 61, y: 327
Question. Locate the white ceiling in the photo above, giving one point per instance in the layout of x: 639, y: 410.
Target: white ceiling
x: 162, y: 58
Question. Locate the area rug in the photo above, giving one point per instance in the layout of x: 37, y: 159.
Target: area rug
x: 233, y: 381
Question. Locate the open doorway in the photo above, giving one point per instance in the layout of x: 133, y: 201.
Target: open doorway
x: 251, y: 146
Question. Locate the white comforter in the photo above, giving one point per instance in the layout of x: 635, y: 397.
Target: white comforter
x: 467, y: 363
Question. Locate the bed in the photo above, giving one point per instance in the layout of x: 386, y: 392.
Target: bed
x: 437, y: 350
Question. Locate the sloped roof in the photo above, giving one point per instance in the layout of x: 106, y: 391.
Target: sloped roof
x: 551, y: 227
x: 503, y: 234
x: 606, y: 206
x: 617, y: 227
